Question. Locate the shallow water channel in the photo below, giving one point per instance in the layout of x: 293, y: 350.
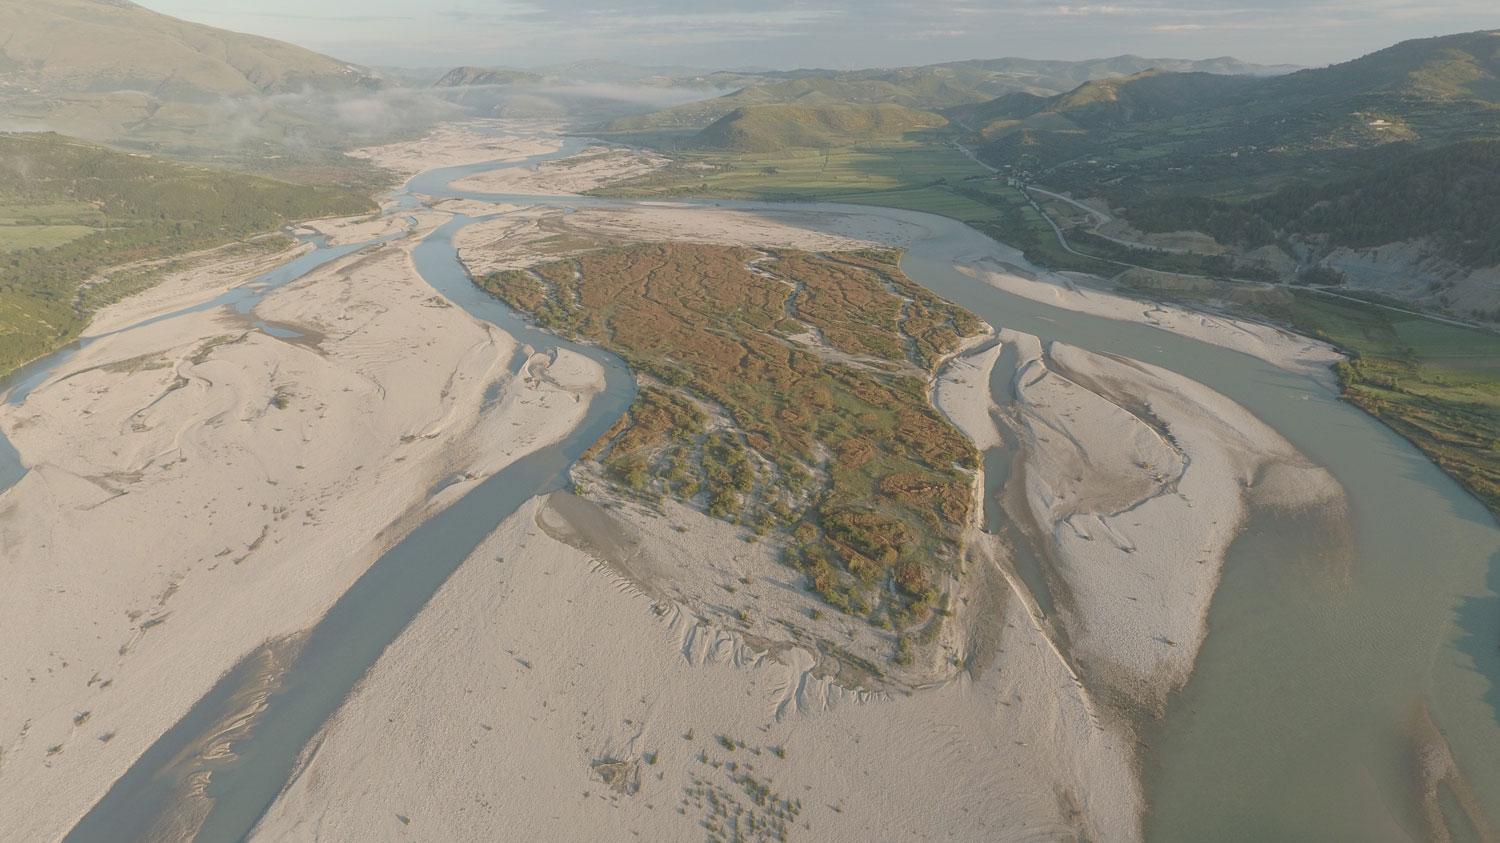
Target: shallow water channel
x: 1296, y: 725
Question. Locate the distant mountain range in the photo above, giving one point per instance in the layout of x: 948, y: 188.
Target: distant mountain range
x: 462, y: 77
x: 1251, y: 154
x: 116, y: 72
x: 928, y: 87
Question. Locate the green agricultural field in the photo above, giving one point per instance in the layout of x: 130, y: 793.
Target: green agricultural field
x: 931, y: 176
x: 14, y: 238
x: 917, y: 175
x: 1435, y: 383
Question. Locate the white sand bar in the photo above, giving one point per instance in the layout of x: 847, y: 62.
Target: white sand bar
x: 198, y: 487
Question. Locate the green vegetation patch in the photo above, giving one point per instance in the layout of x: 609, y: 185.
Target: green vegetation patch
x: 835, y: 446
x: 1436, y: 384
x: 70, y: 210
x: 782, y: 126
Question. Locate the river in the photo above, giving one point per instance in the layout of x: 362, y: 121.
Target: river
x: 1296, y: 724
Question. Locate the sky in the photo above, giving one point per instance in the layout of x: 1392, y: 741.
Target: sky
x: 833, y: 33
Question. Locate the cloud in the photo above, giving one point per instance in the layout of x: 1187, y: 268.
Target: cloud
x: 1090, y: 11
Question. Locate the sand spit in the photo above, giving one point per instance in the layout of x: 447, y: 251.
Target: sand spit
x: 456, y: 144
x: 198, y: 487
x: 1136, y: 480
x: 593, y: 168
x: 1281, y: 348
x: 207, y: 275
x: 1440, y: 780
x: 339, y: 231
x: 527, y: 236
x: 545, y: 694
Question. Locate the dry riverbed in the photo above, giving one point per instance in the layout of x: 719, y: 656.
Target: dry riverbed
x: 198, y: 486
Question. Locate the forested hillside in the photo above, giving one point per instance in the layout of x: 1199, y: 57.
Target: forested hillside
x: 771, y: 128
x: 1450, y: 195
x: 115, y: 72
x: 69, y: 209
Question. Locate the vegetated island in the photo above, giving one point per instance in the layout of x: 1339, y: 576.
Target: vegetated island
x: 785, y: 391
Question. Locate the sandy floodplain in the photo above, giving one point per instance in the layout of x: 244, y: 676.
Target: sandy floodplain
x: 456, y: 144
x: 1293, y: 352
x: 545, y: 694
x: 525, y: 236
x: 198, y: 486
x: 576, y: 660
x: 594, y: 167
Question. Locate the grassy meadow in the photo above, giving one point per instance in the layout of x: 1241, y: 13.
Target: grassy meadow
x: 915, y: 174
x: 1436, y: 384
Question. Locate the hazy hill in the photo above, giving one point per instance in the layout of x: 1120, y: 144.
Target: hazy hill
x: 117, y: 73
x: 809, y: 91
x: 991, y: 77
x: 1104, y: 103
x: 1450, y: 67
x: 598, y: 72
x: 774, y: 127
x: 1449, y: 196
x: 460, y: 77
x: 107, y: 45
x: 617, y: 72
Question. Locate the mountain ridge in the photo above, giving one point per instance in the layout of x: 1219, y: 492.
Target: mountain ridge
x: 98, y: 45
